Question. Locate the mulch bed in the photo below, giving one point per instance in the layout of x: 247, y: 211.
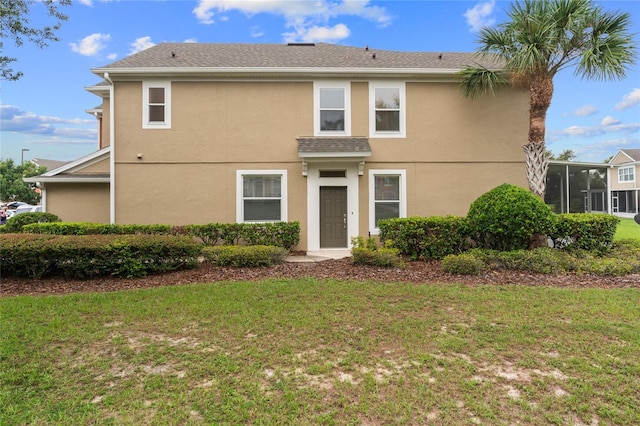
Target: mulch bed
x: 342, y: 269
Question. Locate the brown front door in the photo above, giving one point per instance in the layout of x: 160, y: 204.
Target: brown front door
x: 333, y: 217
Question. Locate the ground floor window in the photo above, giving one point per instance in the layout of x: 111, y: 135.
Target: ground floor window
x: 261, y: 196
x: 387, y: 196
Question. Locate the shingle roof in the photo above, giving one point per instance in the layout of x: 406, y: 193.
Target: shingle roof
x: 633, y: 153
x: 283, y: 56
x: 326, y: 145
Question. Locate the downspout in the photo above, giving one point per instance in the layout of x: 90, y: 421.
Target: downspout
x: 112, y: 155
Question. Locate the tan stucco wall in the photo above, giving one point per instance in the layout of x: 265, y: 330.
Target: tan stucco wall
x: 99, y: 167
x: 106, y: 119
x: 455, y: 148
x: 74, y: 202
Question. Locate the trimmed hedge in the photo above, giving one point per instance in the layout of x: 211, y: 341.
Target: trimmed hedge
x: 506, y: 217
x: 72, y: 256
x: 425, y: 237
x: 18, y: 222
x: 244, y: 256
x: 585, y: 231
x: 279, y: 234
x: 367, y: 252
x: 88, y: 228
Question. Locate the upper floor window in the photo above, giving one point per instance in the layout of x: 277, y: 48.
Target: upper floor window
x: 262, y: 196
x: 626, y: 174
x: 387, y: 196
x: 332, y: 108
x: 387, y: 109
x: 156, y: 105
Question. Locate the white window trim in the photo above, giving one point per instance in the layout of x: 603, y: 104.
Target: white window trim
x: 631, y: 169
x: 146, y: 85
x: 346, y: 85
x: 373, y: 85
x: 402, y: 173
x: 240, y: 196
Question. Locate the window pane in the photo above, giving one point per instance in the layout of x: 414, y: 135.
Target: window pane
x: 331, y: 98
x: 388, y: 121
x: 261, y: 186
x: 387, y: 211
x: 388, y: 98
x: 156, y: 95
x: 387, y: 188
x: 331, y: 120
x: 261, y: 210
x: 156, y: 113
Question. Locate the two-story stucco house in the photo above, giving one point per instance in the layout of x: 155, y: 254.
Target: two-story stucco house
x: 331, y: 136
x: 623, y: 182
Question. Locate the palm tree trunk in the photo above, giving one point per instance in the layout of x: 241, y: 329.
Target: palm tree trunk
x: 541, y: 92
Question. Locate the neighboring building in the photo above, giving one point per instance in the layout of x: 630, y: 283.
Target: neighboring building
x: 48, y: 164
x: 625, y: 187
x: 331, y: 136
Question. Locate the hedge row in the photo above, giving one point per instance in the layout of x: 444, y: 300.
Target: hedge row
x: 73, y: 256
x: 279, y: 234
x: 425, y: 237
x: 585, y: 231
x: 437, y: 237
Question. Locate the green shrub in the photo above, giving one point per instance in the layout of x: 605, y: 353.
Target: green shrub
x: 542, y: 260
x: 585, y: 231
x: 79, y: 256
x: 425, y: 237
x: 463, y: 264
x: 88, y: 228
x: 244, y: 256
x: 506, y: 218
x: 16, y: 223
x: 367, y: 252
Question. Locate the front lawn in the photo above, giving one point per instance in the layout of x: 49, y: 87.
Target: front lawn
x: 312, y: 351
x: 627, y: 229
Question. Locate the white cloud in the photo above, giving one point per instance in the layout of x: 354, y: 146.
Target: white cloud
x: 591, y: 131
x: 86, y: 2
x: 320, y: 34
x: 91, y: 45
x: 141, y: 44
x: 585, y: 111
x: 629, y: 100
x: 306, y: 19
x: 479, y: 16
x: 609, y: 121
x: 15, y: 120
x: 256, y: 32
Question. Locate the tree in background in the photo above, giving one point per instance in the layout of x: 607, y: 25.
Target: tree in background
x: 14, y: 25
x: 566, y: 155
x: 12, y: 187
x: 542, y: 38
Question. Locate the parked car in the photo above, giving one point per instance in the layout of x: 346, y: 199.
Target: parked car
x: 15, y: 204
x: 25, y: 208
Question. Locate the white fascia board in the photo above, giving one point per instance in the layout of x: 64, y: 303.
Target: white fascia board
x: 335, y: 156
x: 56, y: 179
x: 246, y: 70
x: 579, y: 164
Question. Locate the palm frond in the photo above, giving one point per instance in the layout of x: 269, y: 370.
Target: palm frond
x: 480, y: 81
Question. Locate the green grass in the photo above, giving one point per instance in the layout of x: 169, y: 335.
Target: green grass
x: 322, y: 352
x: 627, y: 229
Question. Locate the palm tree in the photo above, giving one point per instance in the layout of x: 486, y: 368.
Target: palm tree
x: 542, y: 38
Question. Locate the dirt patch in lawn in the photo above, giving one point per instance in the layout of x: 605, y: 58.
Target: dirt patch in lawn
x: 340, y: 269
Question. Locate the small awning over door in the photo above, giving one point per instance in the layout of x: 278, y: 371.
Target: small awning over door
x: 333, y: 149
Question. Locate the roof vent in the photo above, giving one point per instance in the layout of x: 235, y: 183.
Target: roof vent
x: 301, y: 44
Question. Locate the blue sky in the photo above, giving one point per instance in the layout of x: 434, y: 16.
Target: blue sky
x: 44, y: 111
